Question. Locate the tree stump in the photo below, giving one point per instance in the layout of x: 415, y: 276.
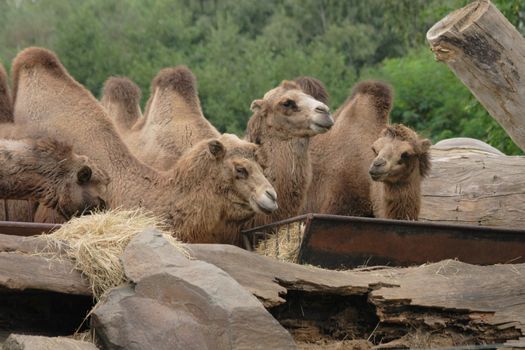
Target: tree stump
x: 487, y: 53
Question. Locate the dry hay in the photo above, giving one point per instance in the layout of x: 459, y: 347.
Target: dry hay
x: 285, y: 244
x: 96, y: 242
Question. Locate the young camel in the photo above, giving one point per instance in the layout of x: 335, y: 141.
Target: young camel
x: 341, y: 157
x: 48, y: 171
x: 174, y: 121
x: 121, y: 98
x: 283, y: 123
x: 402, y: 161
x: 216, y: 184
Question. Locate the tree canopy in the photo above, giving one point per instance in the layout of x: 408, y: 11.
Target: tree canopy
x: 239, y: 49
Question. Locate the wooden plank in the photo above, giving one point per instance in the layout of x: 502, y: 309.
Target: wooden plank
x: 25, y: 228
x: 487, y: 53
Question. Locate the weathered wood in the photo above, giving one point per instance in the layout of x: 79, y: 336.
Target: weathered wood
x: 450, y: 298
x: 22, y: 271
x: 487, y: 53
x: 475, y: 187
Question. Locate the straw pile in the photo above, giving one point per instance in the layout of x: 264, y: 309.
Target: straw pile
x: 283, y: 245
x: 96, y: 242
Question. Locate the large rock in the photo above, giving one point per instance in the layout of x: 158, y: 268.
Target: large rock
x: 32, y: 342
x: 177, y: 303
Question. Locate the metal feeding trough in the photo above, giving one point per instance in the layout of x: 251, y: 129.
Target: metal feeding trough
x: 25, y: 228
x: 333, y: 241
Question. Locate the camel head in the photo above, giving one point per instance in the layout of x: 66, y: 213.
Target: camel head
x: 227, y: 168
x: 290, y: 112
x: 250, y: 190
x: 77, y: 185
x: 399, y: 153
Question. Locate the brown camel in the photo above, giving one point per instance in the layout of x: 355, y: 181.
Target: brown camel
x: 341, y: 157
x: 402, y: 161
x: 174, y: 121
x: 121, y: 98
x: 49, y: 172
x: 282, y: 123
x: 215, y: 183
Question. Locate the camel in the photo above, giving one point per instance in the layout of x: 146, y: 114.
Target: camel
x: 49, y: 172
x: 174, y: 121
x: 214, y: 184
x: 121, y: 98
x: 341, y: 157
x: 402, y: 161
x: 283, y: 122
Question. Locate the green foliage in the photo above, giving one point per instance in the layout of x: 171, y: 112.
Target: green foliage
x: 238, y: 49
x: 432, y: 100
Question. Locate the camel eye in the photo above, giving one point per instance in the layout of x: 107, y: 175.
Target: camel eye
x: 374, y: 150
x: 404, y: 157
x: 289, y: 103
x: 241, y: 172
x: 84, y: 175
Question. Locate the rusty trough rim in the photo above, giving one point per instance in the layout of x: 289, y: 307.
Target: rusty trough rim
x: 18, y: 228
x: 422, y: 224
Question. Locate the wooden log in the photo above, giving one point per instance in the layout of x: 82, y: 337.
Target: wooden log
x: 487, y: 53
x: 475, y: 187
x: 449, y: 298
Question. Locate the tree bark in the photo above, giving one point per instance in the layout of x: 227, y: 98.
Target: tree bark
x: 487, y: 53
x: 476, y: 188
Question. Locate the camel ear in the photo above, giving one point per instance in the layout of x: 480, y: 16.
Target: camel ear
x: 424, y: 145
x: 257, y: 105
x: 84, y: 175
x: 216, y: 149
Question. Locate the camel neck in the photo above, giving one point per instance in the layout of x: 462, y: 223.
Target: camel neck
x: 403, y: 200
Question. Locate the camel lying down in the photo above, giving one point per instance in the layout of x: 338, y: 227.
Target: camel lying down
x: 48, y: 171
x: 215, y: 184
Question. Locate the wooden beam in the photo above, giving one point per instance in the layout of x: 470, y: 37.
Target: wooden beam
x: 487, y: 53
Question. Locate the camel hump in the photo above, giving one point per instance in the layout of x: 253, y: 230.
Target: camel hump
x: 313, y: 87
x: 380, y: 91
x: 180, y: 79
x: 37, y: 57
x: 122, y: 89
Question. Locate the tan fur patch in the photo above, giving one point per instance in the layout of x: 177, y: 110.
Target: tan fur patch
x: 122, y: 89
x: 180, y: 79
x: 313, y: 87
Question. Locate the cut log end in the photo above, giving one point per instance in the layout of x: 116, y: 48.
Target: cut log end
x: 458, y: 20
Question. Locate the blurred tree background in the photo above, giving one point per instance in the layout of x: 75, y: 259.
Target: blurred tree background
x: 239, y: 49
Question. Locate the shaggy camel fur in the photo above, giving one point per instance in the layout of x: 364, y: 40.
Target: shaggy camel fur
x: 49, y: 172
x: 214, y: 184
x: 174, y: 121
x: 282, y: 123
x: 6, y: 108
x: 13, y: 210
x: 314, y: 87
x: 341, y: 157
x: 121, y: 98
x: 402, y: 161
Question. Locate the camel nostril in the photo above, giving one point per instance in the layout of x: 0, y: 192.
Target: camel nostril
x: 102, y: 204
x: 379, y: 162
x: 272, y: 195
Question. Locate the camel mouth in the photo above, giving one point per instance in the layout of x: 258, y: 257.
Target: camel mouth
x: 265, y: 206
x: 320, y: 128
x: 377, y: 176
